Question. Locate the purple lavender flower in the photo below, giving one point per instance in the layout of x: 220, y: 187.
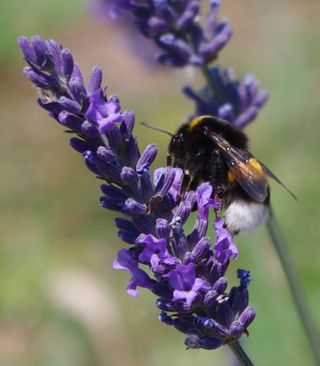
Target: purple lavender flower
x: 185, y: 272
x: 205, y: 331
x: 238, y: 102
x: 175, y: 27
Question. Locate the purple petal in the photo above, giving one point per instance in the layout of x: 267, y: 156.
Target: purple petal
x: 125, y: 261
x: 154, y: 252
x: 224, y: 245
x: 183, y: 277
x: 108, y: 123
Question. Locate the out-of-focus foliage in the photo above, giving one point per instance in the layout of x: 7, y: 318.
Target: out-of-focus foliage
x: 61, y: 303
x: 34, y: 16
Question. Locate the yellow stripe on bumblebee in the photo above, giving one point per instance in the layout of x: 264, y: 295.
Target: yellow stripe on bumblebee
x: 197, y: 121
x: 256, y: 165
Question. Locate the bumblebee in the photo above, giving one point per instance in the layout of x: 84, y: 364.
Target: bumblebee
x: 210, y: 149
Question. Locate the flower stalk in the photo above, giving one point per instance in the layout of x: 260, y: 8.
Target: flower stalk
x: 303, y: 311
x: 240, y: 354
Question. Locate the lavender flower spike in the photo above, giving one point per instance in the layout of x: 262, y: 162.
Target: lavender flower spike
x: 238, y: 102
x: 184, y: 271
x: 175, y: 28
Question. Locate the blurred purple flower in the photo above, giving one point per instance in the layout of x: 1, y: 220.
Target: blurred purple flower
x: 180, y: 267
x: 238, y: 102
x: 175, y: 28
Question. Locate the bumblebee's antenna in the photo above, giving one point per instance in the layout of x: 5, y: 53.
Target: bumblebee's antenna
x: 156, y: 128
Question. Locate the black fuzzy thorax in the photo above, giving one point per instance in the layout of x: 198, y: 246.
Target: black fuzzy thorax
x: 193, y: 151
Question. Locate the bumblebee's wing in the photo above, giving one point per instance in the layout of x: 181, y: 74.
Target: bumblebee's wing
x: 245, y: 169
x: 273, y: 176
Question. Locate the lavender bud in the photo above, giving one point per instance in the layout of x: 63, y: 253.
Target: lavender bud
x: 156, y: 26
x: 165, y: 305
x: 69, y: 105
x: 112, y: 133
x: 79, y: 145
x: 261, y: 99
x: 89, y: 129
x: 67, y: 63
x: 165, y: 182
x: 145, y: 185
x: 55, y: 51
x: 41, y: 51
x: 110, y: 171
x: 210, y: 49
x: 95, y: 80
x: 183, y: 211
x: 220, y: 285
x: 131, y: 152
x: 201, y: 249
x: 193, y: 342
x: 210, y: 298
x: 214, y: 328
x: 76, y: 73
x: 112, y: 204
x: 236, y: 329
x: 244, y: 277
x: 162, y: 228
x: 247, y: 317
x: 128, y: 232
x: 147, y: 157
x: 133, y: 207
x: 144, y: 224
x: 224, y: 312
x: 40, y: 80
x: 77, y: 89
x: 179, y: 244
x: 27, y: 50
x: 126, y: 225
x: 70, y: 120
x: 179, y: 47
x: 105, y: 154
x: 128, y: 122
x: 189, y: 15
x: 188, y: 258
x: 128, y: 176
x: 114, y: 192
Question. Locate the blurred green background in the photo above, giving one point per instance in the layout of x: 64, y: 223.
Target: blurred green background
x: 61, y: 302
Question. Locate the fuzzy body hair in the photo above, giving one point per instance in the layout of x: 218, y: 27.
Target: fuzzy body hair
x: 243, y: 215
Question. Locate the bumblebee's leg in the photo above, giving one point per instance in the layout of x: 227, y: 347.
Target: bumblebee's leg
x: 186, y: 183
x: 169, y: 159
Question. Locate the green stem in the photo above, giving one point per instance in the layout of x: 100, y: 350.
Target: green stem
x: 206, y: 73
x: 240, y: 354
x: 294, y: 285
